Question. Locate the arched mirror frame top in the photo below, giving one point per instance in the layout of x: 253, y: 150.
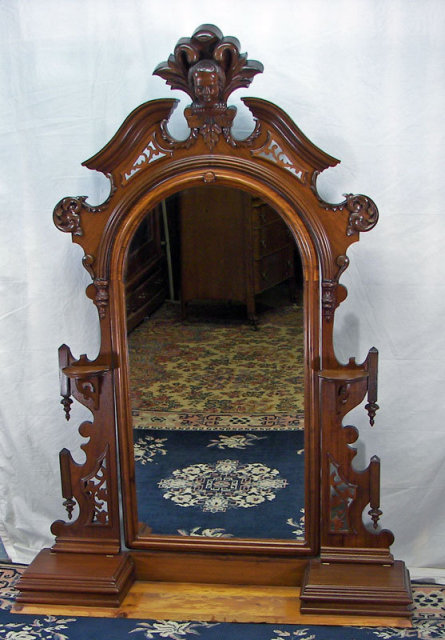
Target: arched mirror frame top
x: 346, y: 554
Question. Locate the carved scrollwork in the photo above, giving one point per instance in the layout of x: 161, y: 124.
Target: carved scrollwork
x: 208, y: 67
x: 96, y: 488
x: 363, y: 214
x: 341, y: 495
x: 272, y: 151
x: 67, y: 212
x: 67, y: 215
x: 151, y: 153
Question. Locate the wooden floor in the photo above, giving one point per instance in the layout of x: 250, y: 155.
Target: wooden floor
x: 212, y: 603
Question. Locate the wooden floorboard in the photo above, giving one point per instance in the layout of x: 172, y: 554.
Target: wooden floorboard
x: 212, y: 603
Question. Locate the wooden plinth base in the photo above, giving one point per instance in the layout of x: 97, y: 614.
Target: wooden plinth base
x: 213, y: 603
x: 70, y: 578
x: 355, y: 589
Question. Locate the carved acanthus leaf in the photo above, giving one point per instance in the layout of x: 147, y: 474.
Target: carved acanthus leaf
x: 208, y: 67
x: 208, y: 43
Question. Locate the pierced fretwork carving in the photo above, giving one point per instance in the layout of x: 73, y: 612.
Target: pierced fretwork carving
x: 151, y: 153
x: 342, y: 493
x: 209, y: 67
x: 273, y: 152
x: 96, y: 488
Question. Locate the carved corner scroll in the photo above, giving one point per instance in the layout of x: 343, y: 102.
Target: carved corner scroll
x: 363, y: 214
x: 209, y: 67
x: 67, y: 215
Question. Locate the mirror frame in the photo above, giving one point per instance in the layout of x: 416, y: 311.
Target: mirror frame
x: 280, y: 165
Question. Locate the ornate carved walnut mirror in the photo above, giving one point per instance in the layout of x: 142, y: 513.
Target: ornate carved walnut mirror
x: 205, y: 222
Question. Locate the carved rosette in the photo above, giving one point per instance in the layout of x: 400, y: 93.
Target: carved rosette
x: 208, y: 67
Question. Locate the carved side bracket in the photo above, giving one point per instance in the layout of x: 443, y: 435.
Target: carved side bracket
x: 87, y: 378
x: 86, y: 375
x: 350, y: 491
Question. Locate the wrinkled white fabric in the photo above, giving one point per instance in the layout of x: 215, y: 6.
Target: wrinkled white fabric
x: 364, y: 80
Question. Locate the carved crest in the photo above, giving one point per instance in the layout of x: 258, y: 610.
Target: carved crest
x: 208, y: 67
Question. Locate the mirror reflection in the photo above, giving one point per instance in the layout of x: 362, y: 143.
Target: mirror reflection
x: 216, y: 351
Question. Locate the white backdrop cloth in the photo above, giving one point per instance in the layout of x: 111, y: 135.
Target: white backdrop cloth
x: 364, y: 80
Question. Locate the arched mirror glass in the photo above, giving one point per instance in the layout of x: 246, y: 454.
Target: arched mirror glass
x: 214, y: 300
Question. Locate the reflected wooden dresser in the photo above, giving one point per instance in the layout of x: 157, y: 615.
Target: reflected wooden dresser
x: 233, y: 247
x: 146, y: 280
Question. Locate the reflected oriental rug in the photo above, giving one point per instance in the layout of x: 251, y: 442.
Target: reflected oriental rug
x: 428, y: 623
x: 215, y: 371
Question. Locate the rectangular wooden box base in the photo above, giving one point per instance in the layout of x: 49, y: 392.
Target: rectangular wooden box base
x: 356, y: 589
x: 70, y: 578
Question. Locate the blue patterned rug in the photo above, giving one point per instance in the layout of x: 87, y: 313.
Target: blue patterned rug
x: 224, y: 484
x: 428, y: 623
